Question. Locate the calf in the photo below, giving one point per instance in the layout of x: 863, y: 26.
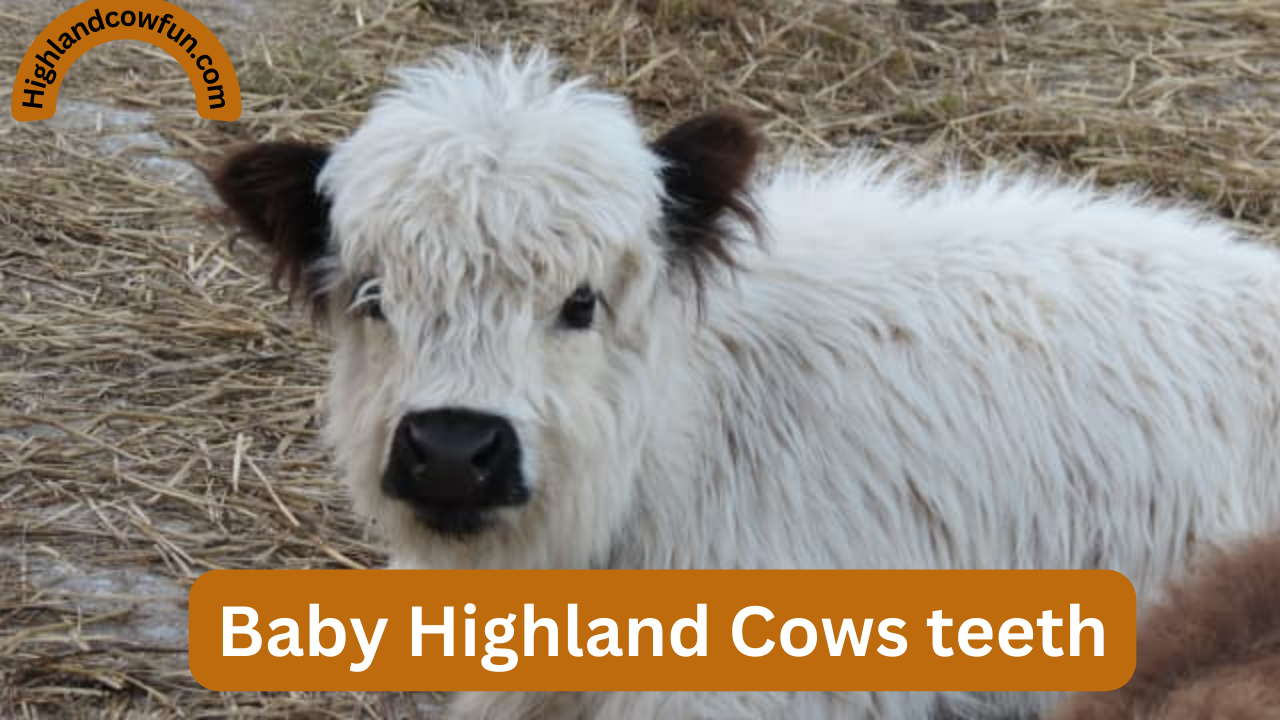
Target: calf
x: 558, y: 344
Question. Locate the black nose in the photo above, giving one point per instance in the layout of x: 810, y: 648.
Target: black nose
x: 455, y: 464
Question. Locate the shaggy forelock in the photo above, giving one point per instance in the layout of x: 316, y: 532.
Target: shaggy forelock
x: 477, y: 168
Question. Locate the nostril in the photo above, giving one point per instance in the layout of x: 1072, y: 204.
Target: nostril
x: 488, y: 453
x: 419, y: 439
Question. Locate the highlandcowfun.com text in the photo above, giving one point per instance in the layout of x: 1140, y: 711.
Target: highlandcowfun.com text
x: 46, y: 69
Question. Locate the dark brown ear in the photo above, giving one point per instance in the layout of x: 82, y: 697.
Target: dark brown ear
x: 270, y: 191
x: 709, y: 162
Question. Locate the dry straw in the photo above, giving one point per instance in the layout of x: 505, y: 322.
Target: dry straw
x: 158, y: 401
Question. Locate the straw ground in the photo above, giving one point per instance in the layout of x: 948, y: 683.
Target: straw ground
x: 158, y: 401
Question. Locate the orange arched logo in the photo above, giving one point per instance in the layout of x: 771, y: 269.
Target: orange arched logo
x: 89, y: 24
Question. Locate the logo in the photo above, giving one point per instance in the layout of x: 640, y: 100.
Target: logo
x: 88, y: 25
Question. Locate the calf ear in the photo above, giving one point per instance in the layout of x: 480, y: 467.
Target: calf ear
x: 708, y: 163
x: 270, y: 191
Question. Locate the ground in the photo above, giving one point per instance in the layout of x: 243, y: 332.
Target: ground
x: 159, y: 399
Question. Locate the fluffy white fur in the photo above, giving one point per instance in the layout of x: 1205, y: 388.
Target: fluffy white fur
x: 964, y: 373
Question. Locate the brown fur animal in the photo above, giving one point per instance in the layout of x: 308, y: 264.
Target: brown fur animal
x: 1211, y: 651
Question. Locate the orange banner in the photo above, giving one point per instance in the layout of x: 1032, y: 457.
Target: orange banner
x: 294, y: 630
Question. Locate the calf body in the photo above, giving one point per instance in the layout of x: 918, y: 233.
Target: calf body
x: 989, y: 372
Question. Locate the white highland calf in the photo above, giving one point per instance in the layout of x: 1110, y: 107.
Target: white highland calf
x: 558, y: 347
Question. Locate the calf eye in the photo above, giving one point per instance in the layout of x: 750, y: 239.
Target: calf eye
x: 579, y: 309
x: 366, y: 300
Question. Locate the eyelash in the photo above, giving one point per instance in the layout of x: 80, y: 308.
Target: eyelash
x: 366, y: 300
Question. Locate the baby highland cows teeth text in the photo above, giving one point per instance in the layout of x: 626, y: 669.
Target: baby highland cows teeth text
x: 559, y: 344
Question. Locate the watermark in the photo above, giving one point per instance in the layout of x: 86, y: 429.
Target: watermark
x: 88, y: 25
x: 663, y: 630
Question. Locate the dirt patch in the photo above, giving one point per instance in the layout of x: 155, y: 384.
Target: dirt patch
x: 158, y: 400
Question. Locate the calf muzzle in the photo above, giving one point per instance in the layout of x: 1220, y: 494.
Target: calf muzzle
x: 455, y: 466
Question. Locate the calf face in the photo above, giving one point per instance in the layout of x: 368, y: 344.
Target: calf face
x: 500, y: 259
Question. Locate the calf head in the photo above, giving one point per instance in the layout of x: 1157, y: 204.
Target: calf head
x: 501, y: 260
